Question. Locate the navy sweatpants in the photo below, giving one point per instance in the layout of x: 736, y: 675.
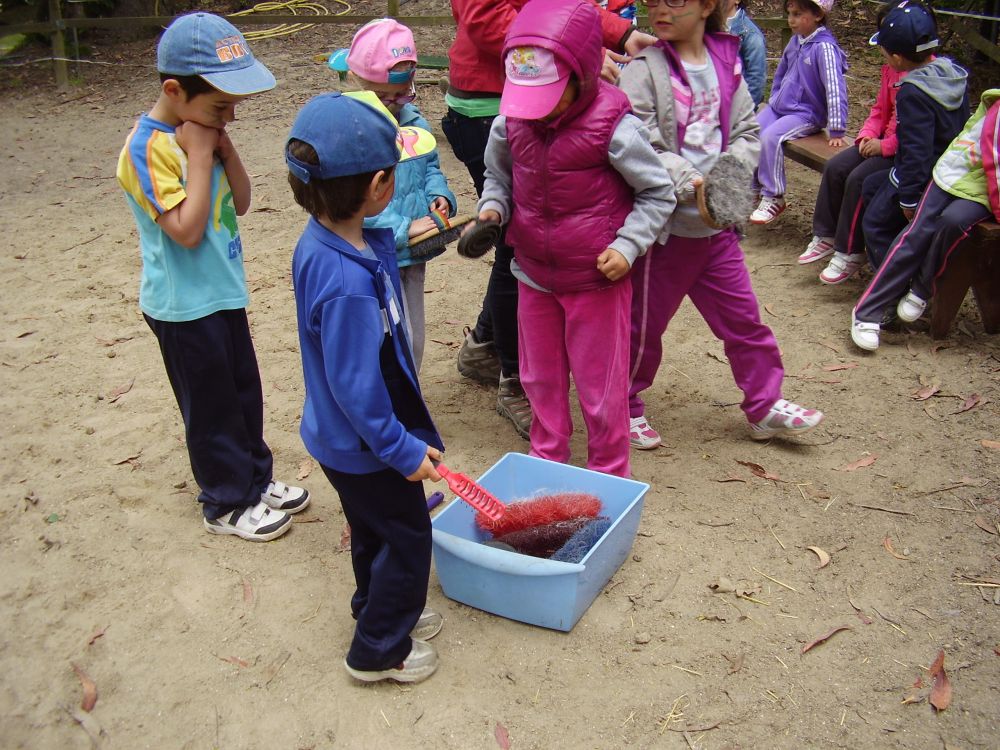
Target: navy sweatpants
x: 212, y: 369
x: 839, y: 204
x: 497, y: 320
x: 920, y: 252
x: 391, y: 555
x: 883, y: 218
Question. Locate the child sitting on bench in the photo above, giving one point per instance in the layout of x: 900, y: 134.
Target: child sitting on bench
x: 965, y: 190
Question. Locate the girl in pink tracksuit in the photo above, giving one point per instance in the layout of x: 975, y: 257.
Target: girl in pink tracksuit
x: 688, y: 92
x: 570, y: 171
x: 808, y: 93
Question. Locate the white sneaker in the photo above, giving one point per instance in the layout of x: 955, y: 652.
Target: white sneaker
x: 785, y: 420
x: 419, y: 664
x: 256, y: 523
x: 819, y: 248
x: 770, y: 208
x: 841, y: 267
x: 865, y: 335
x: 280, y: 496
x: 641, y: 435
x: 910, y: 308
x: 428, y: 626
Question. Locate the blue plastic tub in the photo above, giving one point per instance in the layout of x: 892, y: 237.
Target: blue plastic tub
x: 530, y: 589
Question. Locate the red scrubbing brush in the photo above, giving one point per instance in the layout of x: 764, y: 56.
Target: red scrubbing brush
x: 478, y: 497
x: 539, y: 511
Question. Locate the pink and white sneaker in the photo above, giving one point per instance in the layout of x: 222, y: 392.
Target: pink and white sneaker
x: 841, y: 267
x: 819, y: 248
x: 785, y: 420
x: 641, y: 435
x: 770, y: 208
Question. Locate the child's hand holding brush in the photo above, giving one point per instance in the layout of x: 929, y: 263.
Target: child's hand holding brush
x: 427, y: 469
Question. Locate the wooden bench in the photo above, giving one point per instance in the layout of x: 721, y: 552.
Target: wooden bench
x: 975, y: 264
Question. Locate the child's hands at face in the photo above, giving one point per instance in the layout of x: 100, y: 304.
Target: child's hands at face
x: 426, y: 469
x: 609, y: 68
x: 225, y: 148
x: 909, y: 213
x: 421, y: 225
x: 612, y: 264
x: 196, y: 139
x: 836, y: 142
x: 441, y: 204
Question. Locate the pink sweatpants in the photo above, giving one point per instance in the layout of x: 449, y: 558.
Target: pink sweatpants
x: 712, y: 272
x: 585, y: 334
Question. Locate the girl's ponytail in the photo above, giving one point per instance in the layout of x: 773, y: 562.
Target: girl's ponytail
x: 716, y: 22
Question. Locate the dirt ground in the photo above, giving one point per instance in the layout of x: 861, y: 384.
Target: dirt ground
x: 196, y: 641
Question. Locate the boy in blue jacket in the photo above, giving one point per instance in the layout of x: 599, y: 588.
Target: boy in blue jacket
x: 364, y: 419
x: 932, y: 105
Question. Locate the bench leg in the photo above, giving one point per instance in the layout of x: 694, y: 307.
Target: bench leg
x: 987, y: 293
x: 950, y: 290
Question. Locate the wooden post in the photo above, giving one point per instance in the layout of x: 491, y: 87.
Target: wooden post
x: 393, y: 10
x: 58, y: 44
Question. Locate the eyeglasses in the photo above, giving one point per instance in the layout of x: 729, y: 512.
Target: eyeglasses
x: 668, y: 3
x: 399, y: 99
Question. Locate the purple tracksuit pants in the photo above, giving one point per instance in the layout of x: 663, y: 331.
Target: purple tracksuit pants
x: 712, y: 272
x: 586, y: 335
x: 774, y: 131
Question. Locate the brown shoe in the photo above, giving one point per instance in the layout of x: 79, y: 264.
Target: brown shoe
x: 478, y: 361
x: 513, y: 404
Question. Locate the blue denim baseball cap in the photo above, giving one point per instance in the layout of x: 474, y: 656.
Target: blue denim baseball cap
x: 352, y: 133
x: 909, y: 27
x: 203, y: 44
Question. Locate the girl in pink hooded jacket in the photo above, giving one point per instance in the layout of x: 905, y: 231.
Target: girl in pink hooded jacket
x: 571, y: 172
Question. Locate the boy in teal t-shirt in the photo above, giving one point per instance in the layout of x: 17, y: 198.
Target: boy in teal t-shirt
x: 185, y: 183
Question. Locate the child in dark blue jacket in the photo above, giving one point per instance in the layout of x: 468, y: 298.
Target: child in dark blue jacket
x: 364, y: 419
x: 932, y: 105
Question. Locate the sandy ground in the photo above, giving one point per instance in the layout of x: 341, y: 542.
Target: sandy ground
x: 196, y: 641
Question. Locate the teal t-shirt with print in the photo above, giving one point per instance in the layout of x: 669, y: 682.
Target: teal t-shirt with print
x: 179, y: 283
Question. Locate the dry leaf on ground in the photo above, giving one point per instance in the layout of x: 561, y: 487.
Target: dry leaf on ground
x: 97, y: 634
x: 120, y: 391
x: 759, y: 471
x: 941, y: 691
x: 985, y: 525
x: 838, y: 367
x: 971, y: 403
x: 823, y: 555
x: 866, y: 460
x: 89, y: 689
x: 305, y: 469
x: 922, y: 394
x: 501, y: 735
x: 887, y: 543
x: 992, y: 444
x: 825, y: 637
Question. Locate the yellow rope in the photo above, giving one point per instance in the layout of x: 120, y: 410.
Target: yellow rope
x: 293, y: 6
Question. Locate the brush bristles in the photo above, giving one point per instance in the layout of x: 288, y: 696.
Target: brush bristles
x: 540, y: 511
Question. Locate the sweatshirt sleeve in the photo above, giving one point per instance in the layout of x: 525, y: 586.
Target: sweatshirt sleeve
x: 635, y: 160
x: 915, y: 157
x: 753, y: 53
x: 637, y: 83
x: 391, y: 218
x: 779, y: 73
x: 877, y: 121
x: 499, y: 185
x: 832, y: 74
x: 486, y: 22
x: 358, y: 388
x: 990, y: 149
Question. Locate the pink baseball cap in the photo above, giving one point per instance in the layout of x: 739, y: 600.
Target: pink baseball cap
x: 377, y: 47
x: 536, y: 80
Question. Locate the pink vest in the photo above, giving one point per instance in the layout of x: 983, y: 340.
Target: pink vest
x: 569, y: 202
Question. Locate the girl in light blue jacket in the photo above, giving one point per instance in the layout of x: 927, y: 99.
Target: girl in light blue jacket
x: 383, y: 59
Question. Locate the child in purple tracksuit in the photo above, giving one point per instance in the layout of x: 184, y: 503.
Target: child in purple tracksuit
x: 688, y: 92
x: 570, y: 171
x: 808, y: 93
